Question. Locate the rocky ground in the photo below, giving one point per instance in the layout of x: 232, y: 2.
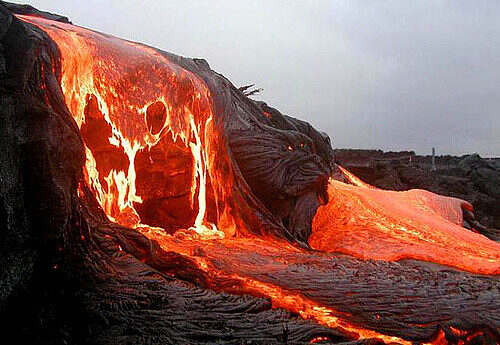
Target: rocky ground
x: 468, y: 177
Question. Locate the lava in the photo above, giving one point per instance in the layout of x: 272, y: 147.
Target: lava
x: 371, y: 223
x: 153, y: 163
x: 124, y: 92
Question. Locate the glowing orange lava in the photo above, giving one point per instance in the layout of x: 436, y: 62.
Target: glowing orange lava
x: 371, y: 223
x: 144, y: 120
x: 92, y: 66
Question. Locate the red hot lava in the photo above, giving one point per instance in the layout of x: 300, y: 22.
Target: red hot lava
x: 153, y: 163
x: 371, y: 223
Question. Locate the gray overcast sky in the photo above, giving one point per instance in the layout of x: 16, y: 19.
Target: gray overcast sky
x: 394, y: 75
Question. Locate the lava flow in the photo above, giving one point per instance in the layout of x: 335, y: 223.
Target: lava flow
x: 145, y: 123
x: 371, y: 223
x: 153, y: 162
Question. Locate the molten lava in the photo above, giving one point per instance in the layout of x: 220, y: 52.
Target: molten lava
x: 133, y: 108
x: 153, y: 161
x: 371, y: 223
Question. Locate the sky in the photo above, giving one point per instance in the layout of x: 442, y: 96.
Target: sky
x: 382, y: 74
